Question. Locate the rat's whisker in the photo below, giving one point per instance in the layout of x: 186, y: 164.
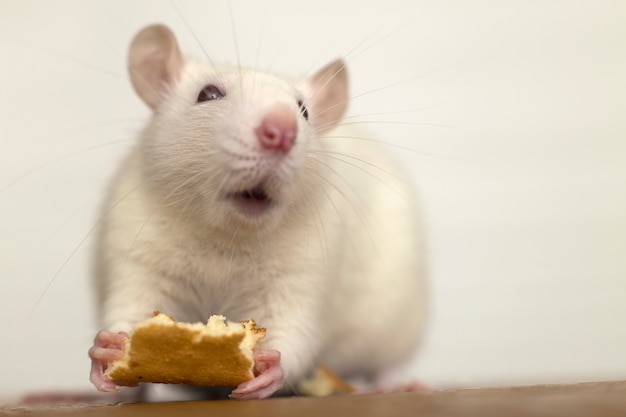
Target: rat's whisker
x: 396, y: 146
x: 78, y: 246
x: 393, y: 122
x: 56, y: 160
x: 392, y: 113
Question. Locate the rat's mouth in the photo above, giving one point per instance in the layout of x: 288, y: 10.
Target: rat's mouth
x: 254, y: 194
x: 252, y: 202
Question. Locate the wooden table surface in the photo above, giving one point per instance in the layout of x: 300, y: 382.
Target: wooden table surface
x: 602, y: 399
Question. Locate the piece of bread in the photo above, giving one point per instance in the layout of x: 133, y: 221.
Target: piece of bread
x: 323, y: 383
x: 163, y: 350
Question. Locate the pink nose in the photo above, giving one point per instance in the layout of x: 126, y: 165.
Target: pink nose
x: 278, y: 129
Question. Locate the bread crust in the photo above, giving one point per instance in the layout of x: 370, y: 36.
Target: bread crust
x: 165, y: 351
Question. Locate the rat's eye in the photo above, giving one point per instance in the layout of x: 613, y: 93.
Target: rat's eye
x: 303, y: 110
x: 209, y: 92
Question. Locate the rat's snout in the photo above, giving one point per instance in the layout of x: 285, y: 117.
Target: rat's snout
x: 278, y: 129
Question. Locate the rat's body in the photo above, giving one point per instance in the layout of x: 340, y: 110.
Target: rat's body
x: 234, y: 205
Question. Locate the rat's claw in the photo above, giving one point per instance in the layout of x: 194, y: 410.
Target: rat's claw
x: 269, y: 377
x: 105, y: 354
x: 107, y: 347
x: 97, y: 378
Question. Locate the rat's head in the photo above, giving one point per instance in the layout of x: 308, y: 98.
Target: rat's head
x: 231, y: 145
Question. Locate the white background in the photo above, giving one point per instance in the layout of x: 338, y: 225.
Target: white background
x: 518, y: 152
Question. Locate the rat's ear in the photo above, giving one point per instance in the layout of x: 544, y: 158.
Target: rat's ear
x: 154, y: 63
x: 328, y: 95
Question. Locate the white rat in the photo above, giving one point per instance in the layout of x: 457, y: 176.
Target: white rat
x: 242, y: 198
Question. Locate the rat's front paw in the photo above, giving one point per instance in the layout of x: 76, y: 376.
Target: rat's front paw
x: 269, y: 377
x: 107, y: 347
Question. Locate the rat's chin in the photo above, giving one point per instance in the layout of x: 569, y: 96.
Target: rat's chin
x: 251, y: 203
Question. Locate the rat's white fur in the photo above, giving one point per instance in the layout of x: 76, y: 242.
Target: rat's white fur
x: 333, y: 270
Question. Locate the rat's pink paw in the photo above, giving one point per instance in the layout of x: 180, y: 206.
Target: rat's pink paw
x: 269, y: 377
x: 107, y: 347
